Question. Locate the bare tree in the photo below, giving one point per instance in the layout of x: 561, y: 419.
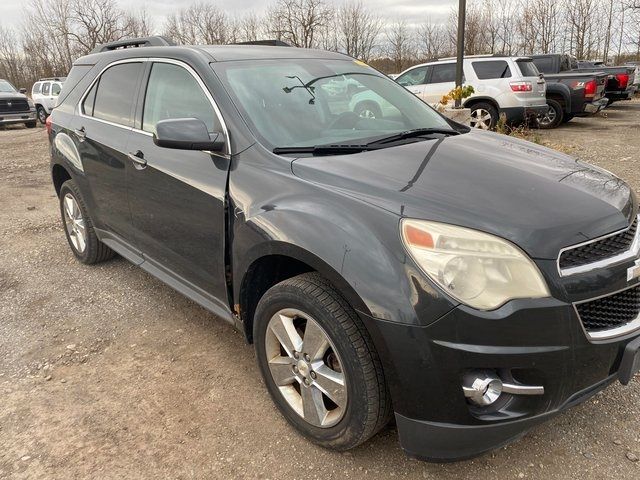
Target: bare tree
x: 199, y: 23
x: 299, y: 22
x: 400, y: 45
x: 358, y: 30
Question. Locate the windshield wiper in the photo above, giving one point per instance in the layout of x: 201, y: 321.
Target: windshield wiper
x: 417, y: 132
x: 323, y: 149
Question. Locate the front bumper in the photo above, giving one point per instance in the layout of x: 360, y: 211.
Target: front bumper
x: 519, y: 115
x: 534, y: 342
x: 22, y: 117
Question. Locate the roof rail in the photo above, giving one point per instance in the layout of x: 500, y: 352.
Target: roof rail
x: 486, y: 55
x: 156, y: 41
x: 53, y: 79
x: 269, y: 43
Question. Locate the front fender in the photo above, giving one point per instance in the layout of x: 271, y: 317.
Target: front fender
x: 355, y: 244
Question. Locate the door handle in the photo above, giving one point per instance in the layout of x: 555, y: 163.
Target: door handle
x: 137, y: 159
x: 80, y: 133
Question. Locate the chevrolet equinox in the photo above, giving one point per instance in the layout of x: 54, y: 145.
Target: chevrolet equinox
x: 469, y: 284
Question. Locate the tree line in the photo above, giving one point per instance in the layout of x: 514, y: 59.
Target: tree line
x: 55, y: 32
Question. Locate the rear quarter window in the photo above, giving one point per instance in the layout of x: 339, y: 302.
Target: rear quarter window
x: 491, y: 69
x: 77, y: 73
x: 527, y: 68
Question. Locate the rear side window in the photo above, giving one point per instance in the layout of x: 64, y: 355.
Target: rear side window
x: 491, y: 69
x: 172, y: 92
x: 527, y: 68
x: 412, y: 77
x: 443, y: 73
x: 37, y: 88
x: 544, y: 64
x: 45, y: 88
x: 113, y: 98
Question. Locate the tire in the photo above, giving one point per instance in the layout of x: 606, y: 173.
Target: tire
x: 554, y: 115
x: 567, y: 118
x: 368, y: 109
x: 42, y: 114
x: 78, y: 227
x: 362, y: 406
x: 484, y: 116
x: 31, y: 124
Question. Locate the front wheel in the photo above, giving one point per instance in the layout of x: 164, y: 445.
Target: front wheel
x: 319, y: 363
x: 42, y: 114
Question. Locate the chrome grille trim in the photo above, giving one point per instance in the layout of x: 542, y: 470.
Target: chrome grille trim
x: 630, y: 254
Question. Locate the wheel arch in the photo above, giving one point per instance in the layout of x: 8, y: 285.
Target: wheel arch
x: 475, y: 100
x: 59, y: 175
x: 270, y: 264
x: 560, y: 93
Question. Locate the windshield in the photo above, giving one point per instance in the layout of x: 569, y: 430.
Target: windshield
x: 306, y: 102
x: 6, y: 87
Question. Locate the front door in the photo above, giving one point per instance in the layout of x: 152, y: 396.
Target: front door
x: 414, y: 80
x: 177, y: 197
x: 101, y: 131
x: 441, y: 80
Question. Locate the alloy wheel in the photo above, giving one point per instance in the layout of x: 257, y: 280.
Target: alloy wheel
x: 549, y: 117
x: 481, y: 118
x: 306, y: 367
x: 42, y: 115
x: 74, y: 223
x: 366, y: 113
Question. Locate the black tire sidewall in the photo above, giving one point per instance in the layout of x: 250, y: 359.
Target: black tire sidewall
x: 559, y: 115
x: 69, y: 187
x: 341, y: 434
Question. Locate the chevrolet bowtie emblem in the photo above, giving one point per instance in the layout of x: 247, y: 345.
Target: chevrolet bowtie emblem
x: 633, y: 272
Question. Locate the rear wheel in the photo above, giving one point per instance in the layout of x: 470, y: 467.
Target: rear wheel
x: 554, y: 115
x: 319, y: 364
x: 484, y: 116
x: 30, y: 124
x: 79, y: 229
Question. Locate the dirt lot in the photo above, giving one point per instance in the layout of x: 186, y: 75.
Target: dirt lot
x: 107, y: 373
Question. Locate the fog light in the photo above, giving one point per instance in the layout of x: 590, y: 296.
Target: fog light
x: 482, y: 387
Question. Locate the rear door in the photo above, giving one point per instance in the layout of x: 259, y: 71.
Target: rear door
x: 101, y: 131
x: 414, y: 80
x: 177, y: 198
x: 440, y: 81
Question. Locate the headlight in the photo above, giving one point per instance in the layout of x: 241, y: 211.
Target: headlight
x: 478, y: 269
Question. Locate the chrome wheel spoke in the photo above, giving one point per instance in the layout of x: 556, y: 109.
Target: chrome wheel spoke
x: 286, y: 333
x: 331, y: 383
x: 74, y: 222
x: 68, y: 206
x: 282, y: 371
x: 314, y: 343
x: 313, y: 407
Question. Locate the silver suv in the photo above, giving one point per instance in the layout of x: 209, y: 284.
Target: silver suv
x: 503, y: 85
x: 45, y: 94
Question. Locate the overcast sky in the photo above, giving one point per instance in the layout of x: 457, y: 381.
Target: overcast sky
x: 413, y: 10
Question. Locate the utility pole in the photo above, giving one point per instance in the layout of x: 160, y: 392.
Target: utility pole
x: 462, y: 7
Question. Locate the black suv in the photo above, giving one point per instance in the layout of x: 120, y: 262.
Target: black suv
x: 470, y: 283
x: 15, y: 107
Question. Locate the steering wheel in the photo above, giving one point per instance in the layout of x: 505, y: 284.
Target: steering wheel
x: 344, y: 121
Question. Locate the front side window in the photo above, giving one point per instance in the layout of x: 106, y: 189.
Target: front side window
x: 46, y: 88
x: 37, y: 88
x: 111, y: 97
x: 292, y: 102
x: 443, y: 73
x: 491, y: 69
x: 172, y: 92
x: 413, y: 77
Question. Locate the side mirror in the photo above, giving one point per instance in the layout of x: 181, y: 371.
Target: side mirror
x: 187, y: 134
x: 23, y: 90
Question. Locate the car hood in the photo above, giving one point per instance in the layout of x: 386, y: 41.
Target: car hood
x: 12, y: 95
x: 538, y: 198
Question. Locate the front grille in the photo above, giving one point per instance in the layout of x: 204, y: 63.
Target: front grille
x: 600, y: 249
x: 13, y: 105
x: 610, y: 312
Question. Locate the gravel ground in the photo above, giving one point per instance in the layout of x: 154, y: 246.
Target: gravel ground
x: 107, y: 373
